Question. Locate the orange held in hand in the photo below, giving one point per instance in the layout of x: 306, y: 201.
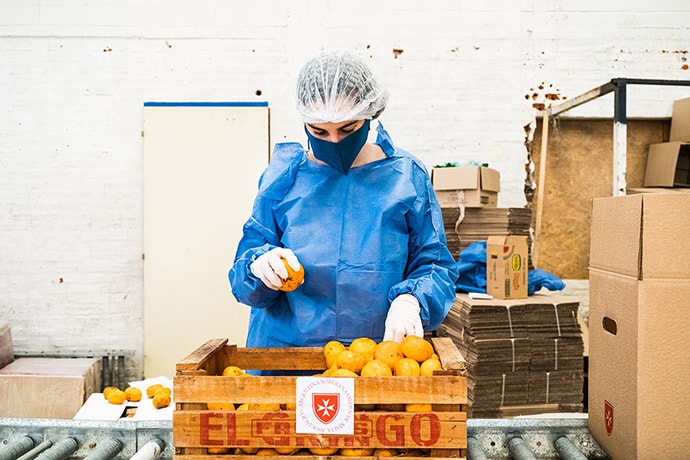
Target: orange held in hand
x: 294, y: 278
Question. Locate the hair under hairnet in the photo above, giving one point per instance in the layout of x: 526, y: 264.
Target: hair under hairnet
x: 337, y: 86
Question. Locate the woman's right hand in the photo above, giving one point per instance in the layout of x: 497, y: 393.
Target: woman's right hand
x: 269, y: 267
x: 403, y: 318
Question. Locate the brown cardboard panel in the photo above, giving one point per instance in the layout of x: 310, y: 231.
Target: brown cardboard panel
x: 47, y: 387
x: 668, y: 165
x: 466, y: 177
x: 632, y: 191
x: 467, y: 198
x: 680, y: 120
x: 644, y: 236
x: 639, y: 365
x: 616, y: 233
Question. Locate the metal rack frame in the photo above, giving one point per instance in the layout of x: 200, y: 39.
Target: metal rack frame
x: 619, y: 87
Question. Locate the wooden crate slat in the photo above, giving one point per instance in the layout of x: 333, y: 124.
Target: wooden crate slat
x: 449, y: 355
x: 418, y: 430
x: 447, y: 389
x: 198, y: 359
x: 298, y: 358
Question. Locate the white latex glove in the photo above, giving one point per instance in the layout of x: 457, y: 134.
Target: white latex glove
x: 270, y: 269
x: 403, y: 318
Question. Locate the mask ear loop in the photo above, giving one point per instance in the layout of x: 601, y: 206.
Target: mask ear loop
x: 310, y: 153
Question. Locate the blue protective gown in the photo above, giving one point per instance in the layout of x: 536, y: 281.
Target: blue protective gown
x: 363, y: 239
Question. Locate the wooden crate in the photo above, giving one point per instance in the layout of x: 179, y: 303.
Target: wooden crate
x: 199, y: 433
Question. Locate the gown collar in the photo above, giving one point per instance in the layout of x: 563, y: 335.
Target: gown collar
x: 383, y: 140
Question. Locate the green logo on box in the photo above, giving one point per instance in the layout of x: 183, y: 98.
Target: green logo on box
x: 516, y: 262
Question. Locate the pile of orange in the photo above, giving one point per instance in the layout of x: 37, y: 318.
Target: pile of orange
x: 159, y: 393
x: 365, y: 357
x: 319, y: 451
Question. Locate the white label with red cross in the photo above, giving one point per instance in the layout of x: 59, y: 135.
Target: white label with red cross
x: 325, y: 405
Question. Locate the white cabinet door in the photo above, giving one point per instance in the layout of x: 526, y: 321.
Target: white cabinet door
x: 202, y: 163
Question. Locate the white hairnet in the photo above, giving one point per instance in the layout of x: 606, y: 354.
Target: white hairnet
x: 337, y: 86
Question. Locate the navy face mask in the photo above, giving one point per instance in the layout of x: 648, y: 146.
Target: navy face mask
x: 340, y: 155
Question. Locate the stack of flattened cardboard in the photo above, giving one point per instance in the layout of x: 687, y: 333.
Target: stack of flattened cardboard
x: 450, y: 217
x: 477, y: 224
x: 524, y: 356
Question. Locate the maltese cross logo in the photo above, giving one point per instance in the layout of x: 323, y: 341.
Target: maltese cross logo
x: 325, y: 406
x: 608, y: 417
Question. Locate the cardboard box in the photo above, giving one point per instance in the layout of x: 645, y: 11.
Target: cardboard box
x: 639, y: 365
x: 6, y: 346
x: 668, y: 165
x: 634, y: 190
x: 47, y: 387
x: 642, y: 236
x: 470, y: 186
x: 506, y: 266
x: 198, y: 381
x: 680, y: 121
x: 639, y: 320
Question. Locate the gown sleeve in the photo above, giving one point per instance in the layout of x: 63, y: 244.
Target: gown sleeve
x: 431, y: 270
x: 261, y: 232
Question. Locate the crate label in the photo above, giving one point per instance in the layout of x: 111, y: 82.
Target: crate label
x: 325, y: 405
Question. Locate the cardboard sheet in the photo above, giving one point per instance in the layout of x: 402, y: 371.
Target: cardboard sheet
x: 98, y: 408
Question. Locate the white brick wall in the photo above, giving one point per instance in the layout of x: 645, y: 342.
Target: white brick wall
x: 74, y: 76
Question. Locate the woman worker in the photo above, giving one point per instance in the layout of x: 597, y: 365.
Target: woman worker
x: 361, y: 217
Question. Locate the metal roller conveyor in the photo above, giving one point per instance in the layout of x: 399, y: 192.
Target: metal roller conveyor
x: 532, y: 438
x: 105, y: 450
x: 59, y: 439
x: 487, y: 439
x: 16, y: 448
x: 33, y: 453
x: 150, y: 451
x: 61, y: 450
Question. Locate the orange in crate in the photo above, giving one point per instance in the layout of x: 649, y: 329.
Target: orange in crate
x: 380, y: 418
